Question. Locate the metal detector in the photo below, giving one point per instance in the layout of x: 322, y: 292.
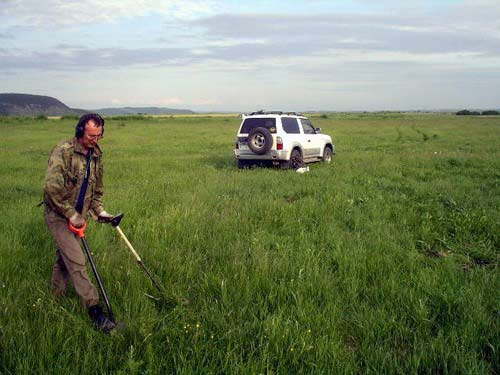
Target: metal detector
x: 80, y: 233
x: 115, y: 221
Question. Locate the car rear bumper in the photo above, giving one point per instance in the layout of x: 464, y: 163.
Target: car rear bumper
x: 270, y: 155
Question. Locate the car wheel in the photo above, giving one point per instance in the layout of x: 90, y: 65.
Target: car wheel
x: 296, y: 160
x: 327, y: 155
x: 260, y: 140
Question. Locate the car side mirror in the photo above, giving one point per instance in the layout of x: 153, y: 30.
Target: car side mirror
x: 317, y: 130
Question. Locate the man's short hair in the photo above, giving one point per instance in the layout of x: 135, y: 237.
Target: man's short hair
x: 80, y: 126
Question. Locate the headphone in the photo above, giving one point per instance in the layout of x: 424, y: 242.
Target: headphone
x: 80, y: 126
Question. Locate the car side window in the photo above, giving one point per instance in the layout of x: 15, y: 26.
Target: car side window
x: 307, y: 126
x: 290, y: 125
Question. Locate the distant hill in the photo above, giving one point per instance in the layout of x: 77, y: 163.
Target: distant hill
x: 142, y: 111
x: 34, y: 105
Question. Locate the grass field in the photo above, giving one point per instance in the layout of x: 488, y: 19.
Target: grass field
x: 385, y: 261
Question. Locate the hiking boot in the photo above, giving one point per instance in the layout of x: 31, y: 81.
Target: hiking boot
x: 101, y: 321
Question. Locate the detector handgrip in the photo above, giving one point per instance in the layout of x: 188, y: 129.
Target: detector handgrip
x: 78, y: 231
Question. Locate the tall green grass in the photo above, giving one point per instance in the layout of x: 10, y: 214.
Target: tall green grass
x: 385, y: 261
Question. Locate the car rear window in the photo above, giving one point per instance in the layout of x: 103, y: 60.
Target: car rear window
x: 255, y: 122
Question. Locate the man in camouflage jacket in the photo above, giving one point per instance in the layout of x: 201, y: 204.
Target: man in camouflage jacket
x: 67, y: 167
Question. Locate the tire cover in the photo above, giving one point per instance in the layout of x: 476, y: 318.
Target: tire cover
x: 260, y: 140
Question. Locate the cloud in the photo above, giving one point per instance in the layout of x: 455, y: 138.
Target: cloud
x: 169, y: 101
x: 159, y: 102
x: 321, y: 53
x: 84, y: 58
x: 312, y: 33
x: 268, y: 39
x: 247, y: 39
x: 204, y: 102
x: 50, y: 13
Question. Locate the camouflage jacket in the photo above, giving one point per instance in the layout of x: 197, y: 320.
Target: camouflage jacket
x: 64, y: 177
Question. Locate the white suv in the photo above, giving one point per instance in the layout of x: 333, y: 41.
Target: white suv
x: 285, y: 139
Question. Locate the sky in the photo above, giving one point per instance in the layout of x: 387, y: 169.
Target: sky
x: 228, y: 55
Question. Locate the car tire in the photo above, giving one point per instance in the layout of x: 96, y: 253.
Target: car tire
x: 260, y: 140
x: 296, y: 160
x: 327, y: 155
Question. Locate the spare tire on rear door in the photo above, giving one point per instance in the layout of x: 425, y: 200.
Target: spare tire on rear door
x: 260, y: 140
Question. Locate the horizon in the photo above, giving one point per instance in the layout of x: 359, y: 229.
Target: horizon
x: 222, y: 56
x: 430, y: 110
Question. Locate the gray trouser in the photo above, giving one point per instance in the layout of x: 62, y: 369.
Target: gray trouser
x: 70, y: 261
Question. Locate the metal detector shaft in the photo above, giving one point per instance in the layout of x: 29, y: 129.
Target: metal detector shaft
x: 139, y: 260
x: 99, y: 282
x: 129, y: 245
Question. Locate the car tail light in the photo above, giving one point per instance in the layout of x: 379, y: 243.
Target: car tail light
x: 279, y: 143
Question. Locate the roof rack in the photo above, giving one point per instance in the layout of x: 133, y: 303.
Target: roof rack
x: 262, y: 112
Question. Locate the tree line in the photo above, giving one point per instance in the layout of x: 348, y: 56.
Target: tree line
x: 466, y: 112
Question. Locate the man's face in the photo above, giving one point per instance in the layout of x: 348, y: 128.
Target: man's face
x: 91, y: 134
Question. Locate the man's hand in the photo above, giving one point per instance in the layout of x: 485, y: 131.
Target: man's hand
x: 77, y: 220
x: 104, y: 217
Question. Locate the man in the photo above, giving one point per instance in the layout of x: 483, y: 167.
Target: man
x: 73, y: 189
